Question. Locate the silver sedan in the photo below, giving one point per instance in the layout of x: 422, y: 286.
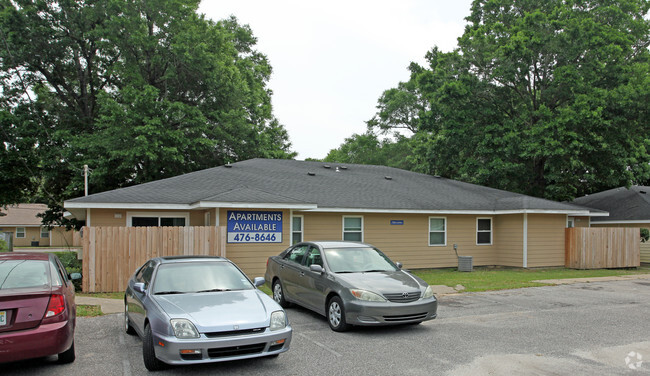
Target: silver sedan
x: 201, y: 309
x: 351, y: 284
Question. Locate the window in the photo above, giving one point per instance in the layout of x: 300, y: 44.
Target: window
x: 314, y: 257
x: 20, y: 232
x: 296, y: 255
x: 207, y: 221
x: 570, y: 222
x: 296, y: 229
x: 144, y: 219
x: 45, y: 233
x: 353, y: 229
x: 484, y: 231
x: 437, y: 231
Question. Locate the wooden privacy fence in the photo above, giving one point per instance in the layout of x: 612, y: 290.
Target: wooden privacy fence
x: 603, y: 247
x: 112, y: 254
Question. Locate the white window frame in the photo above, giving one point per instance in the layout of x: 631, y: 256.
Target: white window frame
x: 130, y: 215
x: 343, y: 232
x: 46, y: 233
x: 570, y: 222
x: 301, y: 230
x: 24, y: 232
x: 491, y: 231
x: 444, y: 232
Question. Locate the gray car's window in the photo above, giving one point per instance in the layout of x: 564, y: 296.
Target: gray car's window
x: 144, y: 275
x: 296, y: 255
x: 24, y: 273
x: 356, y: 260
x: 190, y: 277
x: 313, y: 257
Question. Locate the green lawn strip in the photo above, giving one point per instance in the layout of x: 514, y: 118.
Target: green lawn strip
x: 482, y: 279
x: 88, y: 310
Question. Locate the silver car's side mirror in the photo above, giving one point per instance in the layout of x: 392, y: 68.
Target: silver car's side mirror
x: 316, y: 268
x: 139, y: 287
x: 399, y: 265
x: 259, y: 281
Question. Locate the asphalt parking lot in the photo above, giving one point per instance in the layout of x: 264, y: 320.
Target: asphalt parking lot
x: 590, y: 329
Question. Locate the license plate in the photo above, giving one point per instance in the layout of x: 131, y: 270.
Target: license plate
x: 3, y: 318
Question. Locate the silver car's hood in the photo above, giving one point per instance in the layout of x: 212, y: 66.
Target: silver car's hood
x: 383, y: 282
x: 220, y: 311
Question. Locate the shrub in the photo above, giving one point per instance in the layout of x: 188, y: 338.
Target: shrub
x: 645, y: 234
x: 72, y: 264
x: 3, y: 246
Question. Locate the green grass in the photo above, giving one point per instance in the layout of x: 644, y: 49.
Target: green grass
x: 266, y: 289
x: 486, y: 279
x: 103, y: 295
x: 88, y: 310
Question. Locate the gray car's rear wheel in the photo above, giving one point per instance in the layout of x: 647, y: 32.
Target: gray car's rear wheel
x: 278, y: 294
x: 127, y: 323
x: 336, y: 315
x: 148, y: 353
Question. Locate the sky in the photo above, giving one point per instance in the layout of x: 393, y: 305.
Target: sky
x: 332, y: 60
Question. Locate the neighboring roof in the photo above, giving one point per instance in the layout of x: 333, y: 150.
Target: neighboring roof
x: 623, y: 204
x: 22, y: 215
x: 318, y: 186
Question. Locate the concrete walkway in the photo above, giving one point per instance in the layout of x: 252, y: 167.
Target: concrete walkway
x: 107, y: 305
x: 117, y: 305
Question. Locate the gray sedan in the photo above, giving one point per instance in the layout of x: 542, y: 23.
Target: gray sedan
x: 201, y: 309
x: 350, y: 283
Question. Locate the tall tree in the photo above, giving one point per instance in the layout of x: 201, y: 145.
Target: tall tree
x: 138, y: 90
x: 549, y: 98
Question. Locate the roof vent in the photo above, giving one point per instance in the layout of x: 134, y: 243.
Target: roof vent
x: 311, y: 173
x: 344, y: 167
x: 337, y: 169
x: 327, y: 166
x: 227, y: 165
x: 388, y: 178
x: 436, y: 176
x: 643, y: 192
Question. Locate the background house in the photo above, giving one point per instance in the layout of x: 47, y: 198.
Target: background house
x: 627, y: 207
x: 24, y: 227
x: 267, y: 205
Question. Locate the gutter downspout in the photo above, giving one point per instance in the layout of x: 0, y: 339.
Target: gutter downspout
x: 525, y: 240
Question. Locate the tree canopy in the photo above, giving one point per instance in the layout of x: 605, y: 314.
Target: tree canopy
x: 138, y: 90
x: 548, y: 98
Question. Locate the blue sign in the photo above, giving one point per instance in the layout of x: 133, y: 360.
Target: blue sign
x: 254, y: 226
x: 397, y: 222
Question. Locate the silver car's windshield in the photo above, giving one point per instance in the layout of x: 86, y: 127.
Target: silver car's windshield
x: 190, y: 277
x: 357, y: 260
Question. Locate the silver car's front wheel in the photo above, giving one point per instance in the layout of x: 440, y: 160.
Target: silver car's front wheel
x: 336, y: 315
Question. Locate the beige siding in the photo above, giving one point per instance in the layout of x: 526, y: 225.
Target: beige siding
x: 581, y: 222
x: 60, y: 237
x: 546, y: 240
x: 409, y: 243
x: 107, y: 217
x: 509, y: 230
x: 645, y: 252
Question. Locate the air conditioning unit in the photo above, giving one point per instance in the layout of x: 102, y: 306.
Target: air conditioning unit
x: 465, y: 263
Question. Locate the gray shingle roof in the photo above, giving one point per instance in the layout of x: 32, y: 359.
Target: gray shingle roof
x: 341, y: 186
x: 623, y: 204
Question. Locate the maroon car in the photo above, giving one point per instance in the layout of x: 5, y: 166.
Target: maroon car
x: 37, y: 310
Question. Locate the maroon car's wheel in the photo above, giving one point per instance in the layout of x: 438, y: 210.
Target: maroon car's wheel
x: 67, y: 356
x: 148, y: 353
x: 336, y: 315
x: 278, y: 294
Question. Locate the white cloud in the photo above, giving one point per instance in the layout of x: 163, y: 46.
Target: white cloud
x: 332, y: 60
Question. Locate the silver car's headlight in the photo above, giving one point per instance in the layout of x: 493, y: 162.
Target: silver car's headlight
x: 278, y: 320
x: 367, y: 296
x: 428, y: 293
x: 184, y: 328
